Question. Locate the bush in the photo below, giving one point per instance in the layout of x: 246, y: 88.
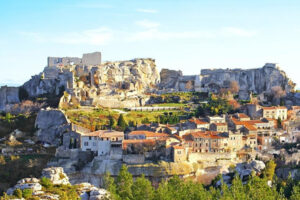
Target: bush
x: 46, y: 182
x: 27, y: 193
x: 18, y: 193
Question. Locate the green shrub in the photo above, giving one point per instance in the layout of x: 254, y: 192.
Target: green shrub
x: 27, y: 193
x: 46, y: 182
x: 18, y: 193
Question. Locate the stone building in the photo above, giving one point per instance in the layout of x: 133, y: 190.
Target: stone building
x: 87, y: 59
x: 72, y: 138
x: 179, y: 154
x: 275, y: 112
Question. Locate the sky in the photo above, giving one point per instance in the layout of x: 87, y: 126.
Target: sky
x: 182, y: 35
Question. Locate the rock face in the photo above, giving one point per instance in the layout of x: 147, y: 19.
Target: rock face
x: 51, y: 124
x: 56, y: 175
x: 111, y: 84
x: 255, y: 80
x: 8, y: 95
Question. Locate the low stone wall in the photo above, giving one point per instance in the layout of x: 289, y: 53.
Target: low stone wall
x: 210, y: 157
x: 134, y: 159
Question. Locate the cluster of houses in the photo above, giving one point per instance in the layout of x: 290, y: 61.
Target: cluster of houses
x: 212, y: 135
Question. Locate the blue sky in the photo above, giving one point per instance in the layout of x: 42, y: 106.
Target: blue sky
x: 187, y: 35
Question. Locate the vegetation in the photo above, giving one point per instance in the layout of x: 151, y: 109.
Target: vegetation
x: 256, y: 188
x: 9, y: 123
x: 14, y: 168
x: 213, y: 107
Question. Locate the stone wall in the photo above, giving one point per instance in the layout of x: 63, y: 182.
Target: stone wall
x: 210, y: 157
x: 134, y: 159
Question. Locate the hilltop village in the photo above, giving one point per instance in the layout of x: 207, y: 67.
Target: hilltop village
x: 96, y: 117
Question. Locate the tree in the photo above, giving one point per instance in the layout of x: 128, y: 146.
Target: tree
x: 142, y: 189
x: 270, y: 170
x: 112, y: 122
x: 237, y: 189
x: 162, y: 192
x: 121, y: 122
x: 279, y: 123
x: 2, y: 160
x: 296, y: 192
x: 234, y: 87
x: 110, y: 186
x: 124, y: 183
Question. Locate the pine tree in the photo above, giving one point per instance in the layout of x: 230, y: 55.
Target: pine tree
x: 296, y: 192
x: 121, y: 122
x: 110, y: 186
x: 124, y: 183
x: 112, y: 122
x: 142, y: 189
x: 270, y: 170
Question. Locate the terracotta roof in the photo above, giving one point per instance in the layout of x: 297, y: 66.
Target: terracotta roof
x: 178, y: 147
x: 242, y: 115
x: 250, y: 127
x: 198, y: 121
x: 105, y: 133
x: 144, y: 141
x: 220, y: 124
x: 149, y: 134
x: 274, y: 107
x: 207, y: 134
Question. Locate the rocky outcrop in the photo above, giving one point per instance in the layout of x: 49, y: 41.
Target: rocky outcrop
x: 111, y: 84
x: 8, y: 96
x: 249, y: 80
x: 57, y: 176
x: 169, y: 78
x: 51, y: 124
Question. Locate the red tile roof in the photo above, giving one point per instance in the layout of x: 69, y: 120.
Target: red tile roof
x: 207, y: 134
x: 198, y: 121
x: 149, y: 134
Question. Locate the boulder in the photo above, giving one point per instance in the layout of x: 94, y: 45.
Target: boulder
x: 258, y: 165
x: 50, y: 130
x: 56, y: 175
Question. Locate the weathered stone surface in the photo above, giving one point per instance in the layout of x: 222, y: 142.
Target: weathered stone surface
x: 56, y: 175
x: 26, y: 183
x: 51, y: 124
x: 169, y: 78
x: 255, y: 80
x: 8, y: 95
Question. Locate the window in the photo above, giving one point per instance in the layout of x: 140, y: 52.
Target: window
x: 86, y: 143
x: 90, y: 137
x: 178, y: 152
x: 94, y: 143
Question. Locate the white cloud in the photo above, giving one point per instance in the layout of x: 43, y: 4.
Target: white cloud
x: 147, y: 24
x: 234, y: 31
x: 100, y: 36
x: 152, y: 11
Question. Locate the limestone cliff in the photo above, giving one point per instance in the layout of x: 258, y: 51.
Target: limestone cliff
x: 111, y: 84
x: 8, y: 96
x: 255, y: 80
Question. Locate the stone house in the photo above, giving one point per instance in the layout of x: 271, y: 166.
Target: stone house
x: 72, y: 138
x: 219, y: 127
x: 198, y: 124
x: 235, y: 141
x: 250, y: 141
x: 265, y: 141
x: 207, y: 141
x: 216, y: 119
x: 242, y: 117
x: 179, y: 154
x: 275, y: 112
x: 101, y: 142
x: 146, y: 135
